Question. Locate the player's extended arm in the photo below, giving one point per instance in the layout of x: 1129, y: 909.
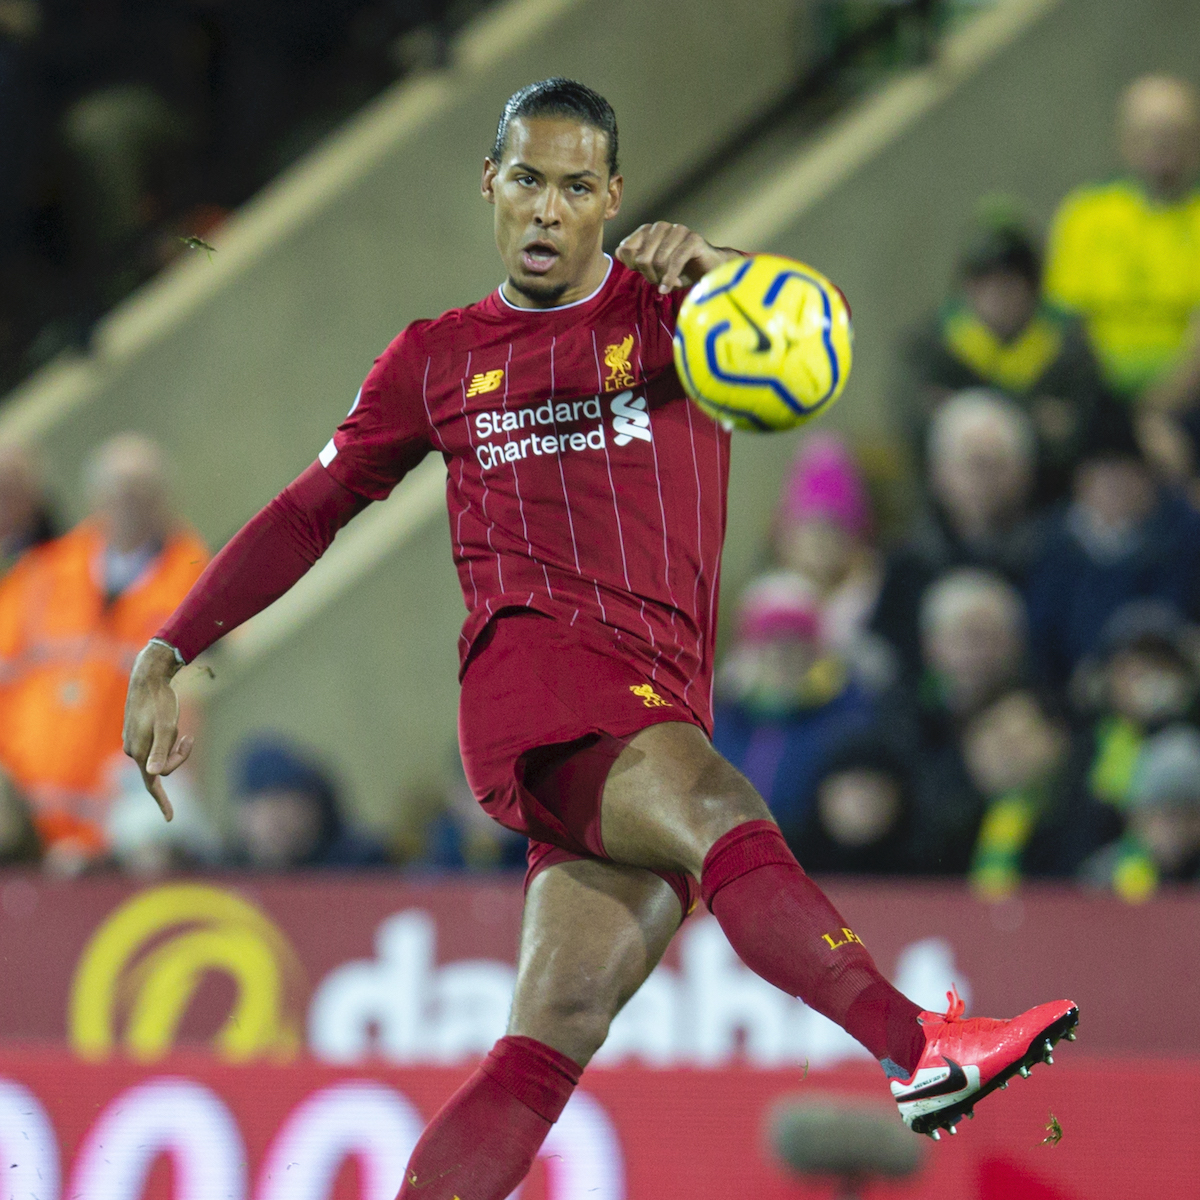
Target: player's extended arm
x: 265, y: 558
x: 671, y: 255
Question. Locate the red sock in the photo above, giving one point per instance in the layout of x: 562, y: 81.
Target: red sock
x: 785, y: 930
x: 484, y: 1139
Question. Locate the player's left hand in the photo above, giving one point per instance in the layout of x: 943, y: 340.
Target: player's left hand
x: 670, y: 255
x: 151, y: 735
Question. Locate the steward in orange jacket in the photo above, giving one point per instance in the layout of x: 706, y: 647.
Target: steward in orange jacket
x: 73, y: 615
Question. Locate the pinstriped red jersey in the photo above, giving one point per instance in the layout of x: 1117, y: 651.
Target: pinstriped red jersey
x: 582, y: 483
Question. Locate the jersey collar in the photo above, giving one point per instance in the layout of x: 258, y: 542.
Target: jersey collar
x: 558, y: 307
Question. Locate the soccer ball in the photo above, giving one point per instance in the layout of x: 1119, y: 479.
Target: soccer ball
x: 763, y: 343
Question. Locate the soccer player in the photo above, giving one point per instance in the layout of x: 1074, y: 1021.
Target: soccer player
x: 587, y: 510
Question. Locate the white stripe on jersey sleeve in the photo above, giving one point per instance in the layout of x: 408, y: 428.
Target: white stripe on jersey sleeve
x: 331, y: 451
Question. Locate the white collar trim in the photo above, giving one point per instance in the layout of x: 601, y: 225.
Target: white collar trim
x: 559, y: 307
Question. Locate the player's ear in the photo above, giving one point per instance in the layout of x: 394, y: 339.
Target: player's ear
x: 488, y: 184
x: 616, y: 187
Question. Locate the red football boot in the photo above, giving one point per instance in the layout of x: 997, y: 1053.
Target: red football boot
x: 964, y: 1060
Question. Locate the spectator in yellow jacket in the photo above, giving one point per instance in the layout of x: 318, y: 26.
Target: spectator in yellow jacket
x: 73, y: 615
x: 1125, y: 255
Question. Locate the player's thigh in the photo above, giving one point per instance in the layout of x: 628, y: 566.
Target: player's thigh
x: 670, y: 796
x: 591, y: 934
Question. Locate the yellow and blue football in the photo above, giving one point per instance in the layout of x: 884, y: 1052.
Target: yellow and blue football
x: 763, y: 343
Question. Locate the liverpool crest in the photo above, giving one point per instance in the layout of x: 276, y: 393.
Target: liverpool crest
x: 616, y: 359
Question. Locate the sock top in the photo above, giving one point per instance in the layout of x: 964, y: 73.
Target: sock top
x: 747, y: 847
x: 534, y: 1073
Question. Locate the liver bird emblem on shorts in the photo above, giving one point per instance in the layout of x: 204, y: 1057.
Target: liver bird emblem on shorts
x: 616, y: 359
x: 650, y: 698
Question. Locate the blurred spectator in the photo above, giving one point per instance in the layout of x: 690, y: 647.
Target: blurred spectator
x: 1162, y: 843
x: 973, y: 641
x: 823, y: 533
x: 143, y: 844
x: 865, y: 820
x: 25, y: 517
x: 1169, y: 442
x: 1122, y: 538
x: 785, y: 699
x: 1016, y: 752
x: 1145, y: 676
x: 19, y: 843
x: 997, y: 333
x: 73, y: 614
x: 1171, y: 445
x: 288, y: 814
x: 463, y: 837
x: 981, y: 471
x: 1125, y: 255
x: 973, y: 636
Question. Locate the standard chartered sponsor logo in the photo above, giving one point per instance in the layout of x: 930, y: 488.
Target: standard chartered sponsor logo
x: 536, y: 431
x: 630, y: 419
x: 537, y: 442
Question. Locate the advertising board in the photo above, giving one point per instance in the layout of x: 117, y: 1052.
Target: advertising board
x: 250, y: 1038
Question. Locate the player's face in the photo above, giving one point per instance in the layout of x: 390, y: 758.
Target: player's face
x: 552, y: 194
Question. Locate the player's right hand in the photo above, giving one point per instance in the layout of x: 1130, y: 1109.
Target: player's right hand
x: 152, y: 736
x: 671, y: 256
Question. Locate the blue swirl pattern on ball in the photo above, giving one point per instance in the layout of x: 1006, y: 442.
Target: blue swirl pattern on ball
x: 728, y: 409
x: 772, y: 294
x: 827, y: 334
x: 802, y: 357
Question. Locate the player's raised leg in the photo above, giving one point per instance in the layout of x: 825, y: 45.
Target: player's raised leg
x: 671, y: 799
x: 671, y: 803
x: 592, y: 932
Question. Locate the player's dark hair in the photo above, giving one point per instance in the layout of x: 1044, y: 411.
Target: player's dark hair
x: 559, y: 97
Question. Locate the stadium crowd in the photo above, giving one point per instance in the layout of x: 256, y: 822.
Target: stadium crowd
x: 1006, y: 688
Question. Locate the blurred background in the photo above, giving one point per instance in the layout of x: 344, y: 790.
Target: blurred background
x: 959, y: 648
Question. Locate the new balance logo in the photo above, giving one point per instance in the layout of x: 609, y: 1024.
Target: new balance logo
x: 630, y: 419
x: 486, y: 381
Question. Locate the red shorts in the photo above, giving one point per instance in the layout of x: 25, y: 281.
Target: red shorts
x: 543, y: 716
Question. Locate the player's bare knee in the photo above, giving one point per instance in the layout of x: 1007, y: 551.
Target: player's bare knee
x: 586, y: 1026
x: 721, y: 800
x: 574, y: 1021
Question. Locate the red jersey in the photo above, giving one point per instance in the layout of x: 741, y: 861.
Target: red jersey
x: 582, y: 482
